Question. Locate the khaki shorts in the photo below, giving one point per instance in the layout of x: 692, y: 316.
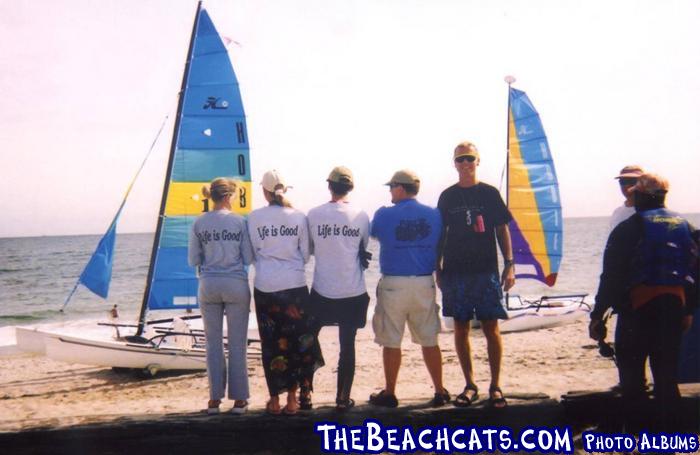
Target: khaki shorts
x: 406, y: 299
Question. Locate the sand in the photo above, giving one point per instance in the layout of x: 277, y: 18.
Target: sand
x: 39, y: 392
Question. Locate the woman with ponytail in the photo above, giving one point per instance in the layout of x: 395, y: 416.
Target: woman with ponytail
x: 290, y: 349
x: 220, y: 248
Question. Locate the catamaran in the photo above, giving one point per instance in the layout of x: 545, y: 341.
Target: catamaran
x: 532, y: 196
x: 210, y: 140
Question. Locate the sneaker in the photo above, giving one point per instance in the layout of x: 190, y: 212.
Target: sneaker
x: 384, y: 399
x: 240, y: 408
x: 213, y: 407
x: 440, y: 398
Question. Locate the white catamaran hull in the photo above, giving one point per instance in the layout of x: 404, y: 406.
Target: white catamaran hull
x: 520, y: 320
x: 552, y: 314
x: 123, y: 354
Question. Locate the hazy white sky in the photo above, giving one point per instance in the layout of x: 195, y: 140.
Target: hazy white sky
x: 376, y: 85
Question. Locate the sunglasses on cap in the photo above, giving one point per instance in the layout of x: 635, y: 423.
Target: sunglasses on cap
x: 628, y: 181
x: 463, y: 158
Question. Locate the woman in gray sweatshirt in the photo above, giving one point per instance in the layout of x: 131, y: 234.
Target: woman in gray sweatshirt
x: 220, y: 248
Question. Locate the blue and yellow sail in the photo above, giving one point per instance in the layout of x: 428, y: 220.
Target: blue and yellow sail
x: 533, y: 194
x: 210, y: 140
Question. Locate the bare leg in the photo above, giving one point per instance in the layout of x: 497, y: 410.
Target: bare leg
x: 494, y: 346
x: 292, y: 403
x: 392, y: 363
x: 463, y: 349
x: 433, y: 360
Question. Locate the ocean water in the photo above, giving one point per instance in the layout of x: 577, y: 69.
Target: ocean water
x: 38, y: 273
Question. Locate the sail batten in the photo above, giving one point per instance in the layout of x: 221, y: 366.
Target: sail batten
x: 533, y: 193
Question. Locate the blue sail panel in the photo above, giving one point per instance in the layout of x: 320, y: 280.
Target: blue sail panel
x: 213, y: 100
x: 175, y: 232
x: 211, y: 141
x: 203, y: 165
x: 173, y: 294
x: 213, y: 133
x: 212, y: 69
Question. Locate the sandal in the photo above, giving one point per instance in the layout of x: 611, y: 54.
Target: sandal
x: 384, y: 399
x: 440, y: 398
x: 344, y: 405
x: 464, y: 399
x: 497, y: 402
x: 271, y: 410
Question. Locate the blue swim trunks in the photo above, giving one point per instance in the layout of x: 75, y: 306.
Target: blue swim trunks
x: 466, y: 294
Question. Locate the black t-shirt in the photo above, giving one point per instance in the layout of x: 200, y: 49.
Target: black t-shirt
x: 469, y: 217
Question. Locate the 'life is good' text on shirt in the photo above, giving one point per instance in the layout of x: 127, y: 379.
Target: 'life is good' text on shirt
x: 336, y: 230
x: 219, y: 245
x: 280, y: 242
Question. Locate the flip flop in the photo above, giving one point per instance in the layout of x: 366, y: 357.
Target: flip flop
x: 270, y: 410
x: 289, y: 412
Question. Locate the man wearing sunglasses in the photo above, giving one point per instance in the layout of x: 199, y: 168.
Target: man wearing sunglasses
x: 474, y: 217
x: 628, y: 178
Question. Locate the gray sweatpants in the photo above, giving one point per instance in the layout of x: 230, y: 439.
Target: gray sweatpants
x: 229, y: 296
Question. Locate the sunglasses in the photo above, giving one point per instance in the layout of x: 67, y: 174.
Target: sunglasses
x: 628, y: 181
x: 394, y: 185
x: 467, y: 158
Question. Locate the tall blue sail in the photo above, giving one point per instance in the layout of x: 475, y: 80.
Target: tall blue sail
x: 533, y: 193
x: 210, y: 140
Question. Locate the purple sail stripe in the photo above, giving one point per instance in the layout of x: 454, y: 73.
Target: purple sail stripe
x: 522, y: 253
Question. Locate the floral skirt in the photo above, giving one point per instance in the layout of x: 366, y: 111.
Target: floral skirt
x: 290, y: 349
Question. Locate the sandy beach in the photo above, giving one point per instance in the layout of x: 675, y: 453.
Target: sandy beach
x: 39, y: 392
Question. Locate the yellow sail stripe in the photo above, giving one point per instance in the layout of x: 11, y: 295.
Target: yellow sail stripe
x: 185, y: 198
x: 522, y: 202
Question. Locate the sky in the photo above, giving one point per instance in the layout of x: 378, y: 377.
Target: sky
x: 375, y: 85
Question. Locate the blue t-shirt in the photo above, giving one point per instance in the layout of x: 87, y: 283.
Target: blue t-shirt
x: 408, y: 234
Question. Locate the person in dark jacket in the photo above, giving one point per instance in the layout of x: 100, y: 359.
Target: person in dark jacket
x: 649, y: 279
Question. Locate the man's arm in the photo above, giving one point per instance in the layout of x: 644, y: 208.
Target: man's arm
x: 619, y: 250
x: 508, y: 275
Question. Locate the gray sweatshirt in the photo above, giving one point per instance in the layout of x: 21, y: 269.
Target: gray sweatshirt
x: 219, y: 245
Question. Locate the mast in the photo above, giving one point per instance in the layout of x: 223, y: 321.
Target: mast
x: 509, y: 80
x: 166, y: 184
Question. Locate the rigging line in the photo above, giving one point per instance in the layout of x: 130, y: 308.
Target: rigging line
x: 126, y: 195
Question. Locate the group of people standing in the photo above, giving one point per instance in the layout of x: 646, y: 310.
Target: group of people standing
x: 452, y: 246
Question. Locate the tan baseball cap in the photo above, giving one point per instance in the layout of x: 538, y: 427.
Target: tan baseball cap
x: 272, y: 180
x: 340, y: 174
x: 651, y: 184
x: 631, y: 171
x: 405, y: 176
x: 465, y: 148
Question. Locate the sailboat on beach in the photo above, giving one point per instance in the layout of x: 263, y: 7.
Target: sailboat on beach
x: 209, y: 140
x: 532, y: 196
